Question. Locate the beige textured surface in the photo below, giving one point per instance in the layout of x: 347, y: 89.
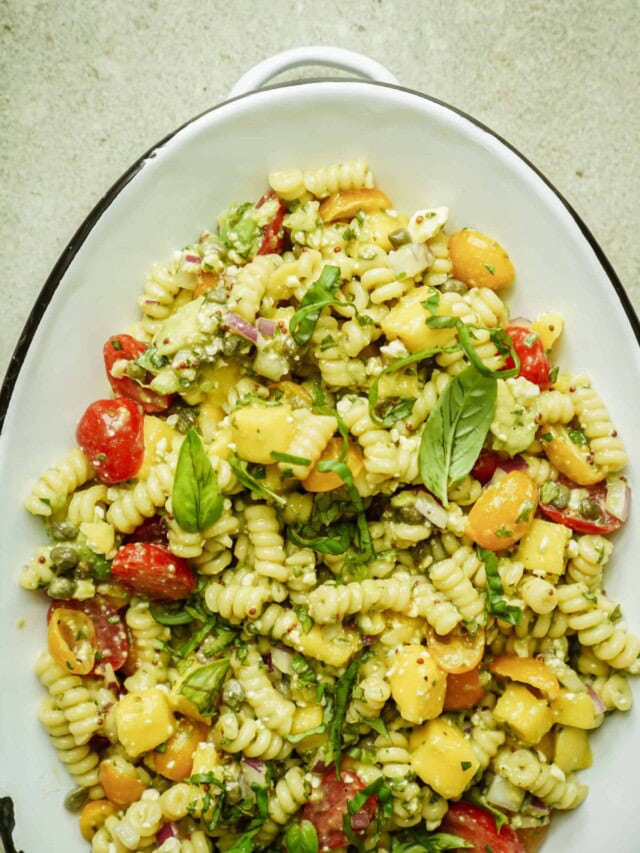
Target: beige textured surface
x: 86, y: 86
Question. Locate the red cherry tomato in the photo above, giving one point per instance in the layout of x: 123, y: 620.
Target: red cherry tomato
x: 478, y: 826
x: 597, y: 496
x: 111, y: 435
x: 120, y: 347
x: 152, y: 570
x: 273, y: 238
x: 152, y: 529
x: 485, y: 465
x: 327, y: 814
x: 534, y: 364
x: 111, y: 637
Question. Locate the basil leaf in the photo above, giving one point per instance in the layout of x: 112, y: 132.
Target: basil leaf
x: 335, y: 541
x: 239, y: 467
x: 202, y: 685
x: 384, y: 809
x: 455, y: 431
x: 398, y: 411
x: 170, y: 613
x: 301, y: 838
x: 287, y: 457
x: 344, y: 686
x: 344, y: 472
x: 496, y: 604
x: 504, y: 345
x: 436, y: 842
x: 319, y: 295
x: 196, y: 498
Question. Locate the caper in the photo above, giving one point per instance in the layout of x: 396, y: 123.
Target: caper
x: 410, y: 515
x: 289, y: 347
x: 61, y: 588
x: 186, y: 419
x: 84, y: 569
x: 589, y: 509
x: 76, y: 799
x: 562, y: 496
x: 136, y: 372
x: 62, y: 530
x: 399, y: 237
x: 454, y: 285
x: 65, y: 557
x: 233, y: 694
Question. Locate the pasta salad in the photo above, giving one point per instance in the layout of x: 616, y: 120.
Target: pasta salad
x: 326, y: 567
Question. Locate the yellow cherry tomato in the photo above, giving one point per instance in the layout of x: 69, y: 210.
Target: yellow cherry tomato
x: 93, y: 816
x: 458, y: 651
x: 480, y: 261
x: 176, y: 759
x: 504, y: 512
x: 463, y: 690
x: 72, y: 640
x: 571, y: 459
x: 327, y: 481
x: 528, y: 671
x: 119, y: 781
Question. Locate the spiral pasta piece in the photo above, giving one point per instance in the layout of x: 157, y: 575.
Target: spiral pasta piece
x: 547, y: 781
x: 80, y: 760
x: 264, y: 534
x: 56, y: 484
x: 604, y: 441
x: 130, y: 507
x: 71, y: 697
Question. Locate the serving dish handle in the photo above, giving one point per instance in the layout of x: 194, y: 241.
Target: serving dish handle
x: 334, y: 57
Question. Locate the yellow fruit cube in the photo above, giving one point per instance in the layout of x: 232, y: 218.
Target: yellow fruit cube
x: 206, y: 759
x: 256, y: 431
x: 443, y: 757
x: 575, y: 709
x: 323, y: 643
x: 158, y: 438
x: 144, y: 720
x: 407, y: 321
x: 101, y: 536
x: 548, y: 327
x: 529, y: 717
x: 418, y: 685
x: 542, y: 548
x: 572, y: 750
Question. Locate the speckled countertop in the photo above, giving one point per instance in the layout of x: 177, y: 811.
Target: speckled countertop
x: 88, y: 85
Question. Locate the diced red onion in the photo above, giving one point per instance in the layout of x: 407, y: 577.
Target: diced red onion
x: 165, y: 832
x: 369, y: 639
x: 255, y: 763
x: 254, y: 772
x: 360, y: 821
x: 597, y: 701
x: 193, y: 259
x: 239, y: 326
x: 319, y: 767
x: 515, y: 464
x: 266, y: 327
x: 538, y: 805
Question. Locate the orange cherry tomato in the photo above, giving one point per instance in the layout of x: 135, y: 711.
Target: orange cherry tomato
x: 504, y: 512
x: 529, y: 671
x: 458, y: 651
x: 327, y: 481
x: 119, y: 782
x: 176, y: 760
x: 72, y: 640
x: 463, y: 690
x: 480, y: 261
x: 93, y: 816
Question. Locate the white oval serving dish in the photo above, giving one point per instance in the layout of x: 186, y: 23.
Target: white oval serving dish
x: 423, y: 153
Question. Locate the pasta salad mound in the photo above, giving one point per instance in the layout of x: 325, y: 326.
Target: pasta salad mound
x: 326, y: 565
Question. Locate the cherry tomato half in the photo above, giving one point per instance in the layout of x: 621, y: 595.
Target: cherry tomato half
x: 601, y: 522
x: 464, y: 690
x: 124, y: 347
x: 72, y: 640
x: 486, y: 465
x: 111, y: 434
x: 152, y: 529
x: 150, y: 569
x: 534, y: 364
x: 478, y: 826
x: 111, y: 636
x: 328, y: 813
x: 273, y: 238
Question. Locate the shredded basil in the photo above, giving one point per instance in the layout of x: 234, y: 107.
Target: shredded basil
x: 287, y: 457
x: 496, y: 605
x: 384, y: 809
x: 196, y: 498
x: 393, y: 368
x: 301, y: 838
x: 344, y: 686
x: 318, y: 296
x: 202, y: 685
x: 455, y: 431
x: 170, y: 613
x: 239, y: 467
x: 503, y: 343
x: 436, y: 842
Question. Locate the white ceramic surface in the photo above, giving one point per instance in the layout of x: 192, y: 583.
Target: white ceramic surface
x: 422, y: 153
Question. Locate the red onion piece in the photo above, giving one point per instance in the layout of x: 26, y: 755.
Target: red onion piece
x: 515, y: 464
x: 360, y: 821
x: 266, y: 327
x: 597, y: 701
x: 319, y: 767
x: 165, y: 832
x: 239, y: 326
x: 193, y: 259
x: 254, y: 763
x: 539, y: 805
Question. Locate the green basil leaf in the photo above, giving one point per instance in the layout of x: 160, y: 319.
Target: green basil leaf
x: 335, y: 541
x: 239, y: 467
x: 496, y: 604
x: 170, y: 613
x: 344, y: 687
x: 441, y: 322
x: 196, y: 497
x: 436, y: 842
x: 318, y: 296
x: 287, y: 457
x: 202, y: 685
x: 455, y: 431
x: 301, y: 838
x: 384, y: 809
x: 398, y: 411
x: 504, y: 345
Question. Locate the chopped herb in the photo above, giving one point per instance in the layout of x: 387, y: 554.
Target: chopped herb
x: 441, y: 322
x: 496, y: 605
x: 116, y: 344
x: 365, y: 320
x: 301, y: 838
x: 384, y: 809
x: 578, y: 437
x: 303, y: 617
x: 553, y: 374
x: 344, y: 686
x: 326, y: 343
x: 490, y: 268
x: 547, y: 436
x: 465, y: 765
x: 287, y: 457
x: 318, y: 296
x: 202, y: 685
x: 525, y: 512
x: 503, y: 532
x: 239, y: 467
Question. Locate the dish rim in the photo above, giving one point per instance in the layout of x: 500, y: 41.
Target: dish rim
x: 76, y: 242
